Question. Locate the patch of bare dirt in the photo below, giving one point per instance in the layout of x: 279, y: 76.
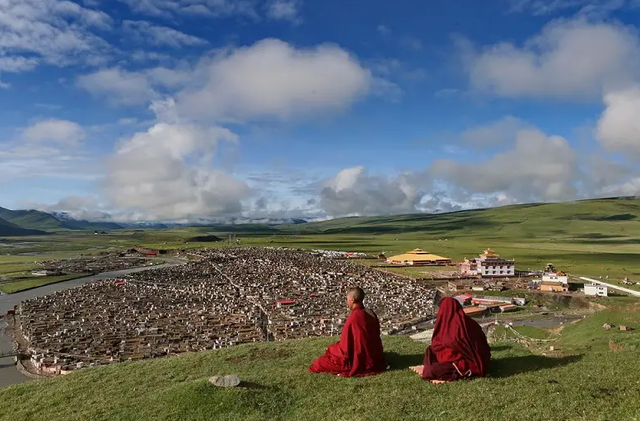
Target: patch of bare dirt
x: 614, y: 347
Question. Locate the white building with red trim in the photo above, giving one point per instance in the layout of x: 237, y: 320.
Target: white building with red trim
x: 488, y: 265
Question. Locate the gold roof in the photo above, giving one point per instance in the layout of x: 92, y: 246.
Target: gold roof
x: 490, y: 253
x: 417, y: 255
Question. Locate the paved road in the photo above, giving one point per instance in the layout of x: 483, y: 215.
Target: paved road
x: 612, y: 286
x: 8, y: 373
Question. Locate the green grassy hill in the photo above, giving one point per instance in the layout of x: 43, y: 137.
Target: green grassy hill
x: 87, y: 225
x: 34, y: 219
x: 31, y: 219
x: 589, y: 219
x: 601, y: 220
x: 8, y: 229
x: 581, y: 380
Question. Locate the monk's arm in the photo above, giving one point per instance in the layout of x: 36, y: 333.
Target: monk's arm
x: 346, y: 338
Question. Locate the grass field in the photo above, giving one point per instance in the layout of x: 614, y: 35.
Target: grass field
x: 578, y: 384
x: 20, y: 265
x: 23, y: 284
x: 533, y: 332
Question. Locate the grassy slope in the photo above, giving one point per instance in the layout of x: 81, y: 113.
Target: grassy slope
x: 586, y: 218
x: 522, y: 386
x: 590, y: 337
x: 31, y: 219
x: 23, y: 284
x: 9, y: 229
x: 34, y: 219
x: 533, y: 332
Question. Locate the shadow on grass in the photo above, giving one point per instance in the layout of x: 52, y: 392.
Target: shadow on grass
x: 501, y: 367
x: 511, y: 366
x: 402, y: 362
x: 500, y: 348
x: 252, y: 385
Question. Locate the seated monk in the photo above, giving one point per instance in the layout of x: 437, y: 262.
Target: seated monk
x: 359, y: 352
x: 458, y: 349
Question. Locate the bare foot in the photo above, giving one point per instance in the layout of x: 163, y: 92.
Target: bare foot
x: 417, y: 369
x: 438, y: 381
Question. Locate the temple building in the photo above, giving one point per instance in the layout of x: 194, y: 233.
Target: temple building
x: 550, y: 274
x: 489, y: 264
x: 418, y: 257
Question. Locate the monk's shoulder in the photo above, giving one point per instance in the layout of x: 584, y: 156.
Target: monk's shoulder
x: 364, y: 314
x: 371, y: 313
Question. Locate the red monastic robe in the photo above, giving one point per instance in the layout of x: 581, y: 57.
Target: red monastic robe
x: 459, y: 347
x: 359, y: 352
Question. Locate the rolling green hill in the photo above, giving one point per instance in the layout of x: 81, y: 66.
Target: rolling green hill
x: 31, y: 219
x: 598, y: 219
x: 602, y: 218
x: 34, y: 219
x: 7, y: 229
x: 87, y: 225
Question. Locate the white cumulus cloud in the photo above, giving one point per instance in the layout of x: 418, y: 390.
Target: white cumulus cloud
x: 575, y: 60
x: 539, y: 167
x: 618, y: 128
x: 268, y: 79
x: 119, y: 86
x: 165, y: 173
x: 495, y: 133
x: 354, y: 192
x: 273, y: 78
x: 54, y: 130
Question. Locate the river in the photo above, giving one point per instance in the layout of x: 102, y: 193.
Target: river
x: 8, y: 373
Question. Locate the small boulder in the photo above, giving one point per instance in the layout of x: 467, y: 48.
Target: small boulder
x: 231, y: 380
x: 606, y: 326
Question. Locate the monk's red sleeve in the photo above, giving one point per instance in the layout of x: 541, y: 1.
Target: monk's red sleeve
x: 346, y: 339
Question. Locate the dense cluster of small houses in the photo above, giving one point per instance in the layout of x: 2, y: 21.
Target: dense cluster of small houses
x: 88, y: 264
x: 221, y: 298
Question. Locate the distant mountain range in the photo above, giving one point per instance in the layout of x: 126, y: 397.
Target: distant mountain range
x: 233, y: 221
x: 74, y: 224
x: 34, y: 222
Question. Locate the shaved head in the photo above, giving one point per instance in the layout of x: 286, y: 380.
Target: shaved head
x: 356, y: 294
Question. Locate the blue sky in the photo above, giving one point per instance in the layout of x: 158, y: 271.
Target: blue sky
x: 203, y: 109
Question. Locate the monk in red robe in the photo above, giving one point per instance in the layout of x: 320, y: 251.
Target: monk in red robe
x: 359, y: 352
x: 458, y: 349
